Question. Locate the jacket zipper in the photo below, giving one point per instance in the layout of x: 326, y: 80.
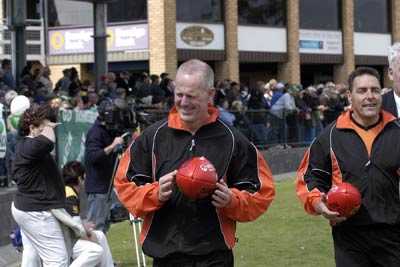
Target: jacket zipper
x: 192, y: 146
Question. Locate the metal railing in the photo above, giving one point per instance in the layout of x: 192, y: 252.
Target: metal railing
x: 264, y: 128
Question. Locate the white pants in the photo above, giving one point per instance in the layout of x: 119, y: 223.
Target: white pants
x: 29, y: 254
x: 83, y: 250
x: 84, y: 253
x: 42, y: 233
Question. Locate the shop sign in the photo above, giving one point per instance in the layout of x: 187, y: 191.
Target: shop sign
x: 80, y: 40
x: 197, y: 36
x: 320, y: 42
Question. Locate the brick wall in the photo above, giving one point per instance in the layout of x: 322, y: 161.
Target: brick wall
x: 230, y: 67
x: 290, y: 70
x: 162, y: 40
x: 395, y: 9
x: 342, y: 71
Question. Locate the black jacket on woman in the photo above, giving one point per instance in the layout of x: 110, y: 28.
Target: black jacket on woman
x: 39, y: 183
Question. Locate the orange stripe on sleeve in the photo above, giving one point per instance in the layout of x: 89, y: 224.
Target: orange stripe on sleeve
x: 139, y: 200
x: 337, y: 177
x: 246, y: 206
x: 308, y: 198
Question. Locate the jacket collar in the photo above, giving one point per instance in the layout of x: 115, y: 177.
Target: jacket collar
x: 174, y: 120
x: 344, y: 121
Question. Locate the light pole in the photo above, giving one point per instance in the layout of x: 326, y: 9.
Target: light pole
x: 16, y: 17
x: 100, y: 40
x: 45, y: 19
x: 100, y: 37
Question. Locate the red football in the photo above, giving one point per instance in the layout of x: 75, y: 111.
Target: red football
x: 344, y: 198
x: 197, y: 178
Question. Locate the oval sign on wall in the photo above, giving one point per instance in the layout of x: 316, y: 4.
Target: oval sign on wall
x: 197, y: 36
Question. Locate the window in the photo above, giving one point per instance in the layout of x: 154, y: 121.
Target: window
x: 32, y: 9
x: 371, y: 16
x: 66, y: 13
x: 69, y: 13
x: 320, y: 15
x: 199, y: 11
x: 127, y: 10
x: 262, y: 12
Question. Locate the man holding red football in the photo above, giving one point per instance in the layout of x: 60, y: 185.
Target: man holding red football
x: 361, y: 148
x: 177, y: 230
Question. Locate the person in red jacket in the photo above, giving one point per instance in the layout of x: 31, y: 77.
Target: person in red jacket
x: 178, y: 231
x: 362, y: 148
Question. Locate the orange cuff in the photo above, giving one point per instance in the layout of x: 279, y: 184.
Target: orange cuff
x: 234, y: 200
x: 313, y: 198
x: 156, y: 199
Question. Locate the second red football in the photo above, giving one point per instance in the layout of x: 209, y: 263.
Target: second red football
x: 344, y: 198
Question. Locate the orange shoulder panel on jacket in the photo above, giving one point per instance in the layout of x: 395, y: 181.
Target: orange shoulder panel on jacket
x: 246, y: 206
x: 139, y: 200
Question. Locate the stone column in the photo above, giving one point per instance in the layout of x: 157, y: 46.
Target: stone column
x: 395, y: 9
x: 342, y: 71
x: 290, y: 71
x: 162, y: 36
x: 229, y: 68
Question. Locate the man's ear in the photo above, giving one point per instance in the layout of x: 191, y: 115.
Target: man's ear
x: 349, y: 95
x: 211, y: 94
x: 390, y: 73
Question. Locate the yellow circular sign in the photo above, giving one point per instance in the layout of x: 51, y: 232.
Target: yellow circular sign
x: 110, y: 38
x: 57, y: 40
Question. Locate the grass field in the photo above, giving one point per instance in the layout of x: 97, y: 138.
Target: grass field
x: 284, y: 236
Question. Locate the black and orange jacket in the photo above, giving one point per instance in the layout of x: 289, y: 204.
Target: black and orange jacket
x: 181, y: 225
x: 366, y: 158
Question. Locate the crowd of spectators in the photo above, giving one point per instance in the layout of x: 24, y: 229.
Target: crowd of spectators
x: 279, y: 113
x: 268, y: 113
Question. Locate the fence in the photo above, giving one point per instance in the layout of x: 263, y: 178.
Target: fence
x: 264, y: 128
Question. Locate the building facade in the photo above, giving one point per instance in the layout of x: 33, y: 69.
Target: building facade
x: 297, y: 41
x: 35, y: 32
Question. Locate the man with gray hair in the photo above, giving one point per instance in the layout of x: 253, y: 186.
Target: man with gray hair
x: 179, y: 231
x: 391, y: 99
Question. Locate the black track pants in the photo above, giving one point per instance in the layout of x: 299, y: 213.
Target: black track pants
x: 367, y: 246
x: 215, y: 259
